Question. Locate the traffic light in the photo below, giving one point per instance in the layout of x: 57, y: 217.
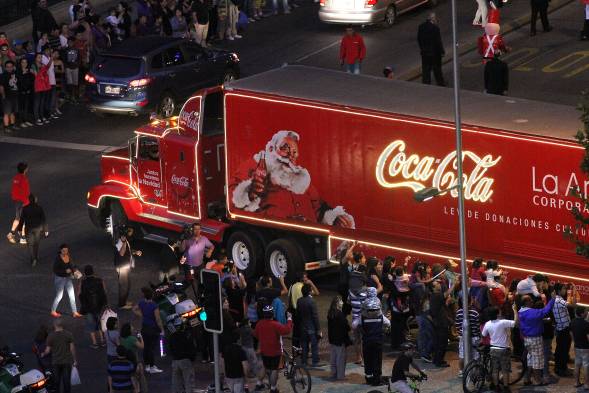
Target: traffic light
x: 212, y: 316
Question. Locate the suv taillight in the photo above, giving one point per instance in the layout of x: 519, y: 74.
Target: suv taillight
x: 322, y: 3
x: 90, y: 78
x: 140, y: 82
x: 370, y: 3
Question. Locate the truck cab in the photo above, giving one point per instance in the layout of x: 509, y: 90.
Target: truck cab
x: 169, y: 175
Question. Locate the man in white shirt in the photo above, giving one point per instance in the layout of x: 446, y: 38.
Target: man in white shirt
x: 499, y: 330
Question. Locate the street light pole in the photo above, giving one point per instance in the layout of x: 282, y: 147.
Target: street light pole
x: 461, y: 222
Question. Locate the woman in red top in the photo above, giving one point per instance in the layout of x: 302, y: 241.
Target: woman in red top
x: 19, y: 193
x: 42, y: 89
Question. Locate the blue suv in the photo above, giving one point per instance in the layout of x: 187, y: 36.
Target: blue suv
x: 154, y: 74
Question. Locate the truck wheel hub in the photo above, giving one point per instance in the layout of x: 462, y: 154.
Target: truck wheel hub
x: 278, y: 263
x: 241, y: 255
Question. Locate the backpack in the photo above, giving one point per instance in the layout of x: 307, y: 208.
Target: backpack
x: 92, y: 296
x: 260, y: 303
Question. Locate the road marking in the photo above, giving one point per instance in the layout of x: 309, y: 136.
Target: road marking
x: 56, y: 144
x: 317, y: 51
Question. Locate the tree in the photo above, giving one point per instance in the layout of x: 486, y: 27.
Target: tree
x: 581, y: 218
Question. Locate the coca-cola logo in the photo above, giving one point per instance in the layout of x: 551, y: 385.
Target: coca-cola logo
x: 189, y: 119
x: 180, y: 181
x: 396, y: 169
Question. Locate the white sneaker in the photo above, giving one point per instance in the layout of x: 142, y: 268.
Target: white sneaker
x: 237, y: 36
x: 148, y: 369
x: 58, y: 111
x: 155, y: 370
x: 230, y: 38
x: 22, y: 240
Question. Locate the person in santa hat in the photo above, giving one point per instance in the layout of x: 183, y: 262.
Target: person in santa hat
x: 491, y: 42
x: 273, y: 184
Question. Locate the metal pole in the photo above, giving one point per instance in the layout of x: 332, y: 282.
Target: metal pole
x: 466, y: 344
x: 216, y: 353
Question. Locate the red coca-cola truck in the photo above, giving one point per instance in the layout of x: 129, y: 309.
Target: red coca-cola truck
x: 284, y: 166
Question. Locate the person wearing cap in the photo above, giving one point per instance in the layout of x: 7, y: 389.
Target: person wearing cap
x: 372, y: 324
x: 400, y: 370
x: 269, y: 334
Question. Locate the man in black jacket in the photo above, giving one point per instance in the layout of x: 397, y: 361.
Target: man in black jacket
x: 183, y: 352
x: 310, y: 332
x: 496, y: 75
x: 33, y: 219
x: 539, y: 6
x: 432, y: 50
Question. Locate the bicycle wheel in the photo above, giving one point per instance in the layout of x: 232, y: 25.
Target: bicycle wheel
x: 519, y: 366
x: 474, y: 377
x: 300, y: 379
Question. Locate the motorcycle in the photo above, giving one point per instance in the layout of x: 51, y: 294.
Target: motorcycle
x: 14, y: 380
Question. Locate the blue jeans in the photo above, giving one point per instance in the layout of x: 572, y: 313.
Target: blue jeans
x: 309, y: 337
x: 352, y: 68
x: 425, y: 337
x: 62, y: 283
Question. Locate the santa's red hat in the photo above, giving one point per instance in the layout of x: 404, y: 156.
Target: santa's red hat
x: 493, y: 16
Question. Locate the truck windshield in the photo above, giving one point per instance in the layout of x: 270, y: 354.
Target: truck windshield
x: 117, y: 67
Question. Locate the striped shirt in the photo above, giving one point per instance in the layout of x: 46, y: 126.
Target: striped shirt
x: 356, y: 300
x: 121, y: 371
x: 473, y: 319
x: 561, y: 314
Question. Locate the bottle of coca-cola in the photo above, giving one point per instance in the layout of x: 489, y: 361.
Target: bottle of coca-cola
x: 259, y: 178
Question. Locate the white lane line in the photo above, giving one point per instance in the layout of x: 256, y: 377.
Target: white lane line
x: 317, y: 52
x: 56, y: 144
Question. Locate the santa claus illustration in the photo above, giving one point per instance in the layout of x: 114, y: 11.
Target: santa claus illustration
x: 273, y: 184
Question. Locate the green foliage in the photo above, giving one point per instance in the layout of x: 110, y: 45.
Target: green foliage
x: 582, y: 220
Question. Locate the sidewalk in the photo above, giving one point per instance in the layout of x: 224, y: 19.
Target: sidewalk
x: 22, y: 28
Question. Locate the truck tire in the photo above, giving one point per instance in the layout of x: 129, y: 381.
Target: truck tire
x: 116, y: 219
x: 246, y: 252
x: 283, y: 258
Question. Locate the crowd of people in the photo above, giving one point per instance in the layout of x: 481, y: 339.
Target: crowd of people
x: 40, y: 74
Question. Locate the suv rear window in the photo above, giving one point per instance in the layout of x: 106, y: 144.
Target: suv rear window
x: 117, y: 67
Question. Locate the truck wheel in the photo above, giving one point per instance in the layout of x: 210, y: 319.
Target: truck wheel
x: 283, y: 258
x: 116, y: 219
x: 245, y: 251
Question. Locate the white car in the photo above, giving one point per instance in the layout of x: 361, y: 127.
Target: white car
x: 366, y: 12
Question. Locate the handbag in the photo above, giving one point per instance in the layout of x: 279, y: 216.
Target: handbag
x: 75, y: 378
x: 106, y: 314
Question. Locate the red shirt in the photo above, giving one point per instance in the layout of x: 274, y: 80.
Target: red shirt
x: 268, y: 333
x: 20, y: 189
x: 352, y: 48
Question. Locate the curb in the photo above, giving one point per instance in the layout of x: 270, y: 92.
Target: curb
x: 507, y: 28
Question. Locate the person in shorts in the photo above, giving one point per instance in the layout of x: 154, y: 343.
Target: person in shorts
x: 580, y: 331
x: 269, y: 334
x: 400, y: 370
x: 71, y: 59
x: 499, y: 332
x: 9, y: 95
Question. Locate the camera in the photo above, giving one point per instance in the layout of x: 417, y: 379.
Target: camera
x: 187, y: 233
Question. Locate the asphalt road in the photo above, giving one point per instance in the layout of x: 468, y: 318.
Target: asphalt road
x: 64, y: 161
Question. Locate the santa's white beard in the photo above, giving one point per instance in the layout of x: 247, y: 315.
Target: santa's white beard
x: 285, y: 174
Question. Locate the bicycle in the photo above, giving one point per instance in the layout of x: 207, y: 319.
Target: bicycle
x: 297, y: 374
x: 479, y: 371
x: 412, y: 380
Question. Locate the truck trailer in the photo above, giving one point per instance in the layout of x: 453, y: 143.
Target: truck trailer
x: 285, y: 166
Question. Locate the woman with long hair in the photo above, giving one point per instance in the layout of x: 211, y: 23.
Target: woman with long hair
x: 373, y: 271
x: 338, y: 329
x: 64, y: 270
